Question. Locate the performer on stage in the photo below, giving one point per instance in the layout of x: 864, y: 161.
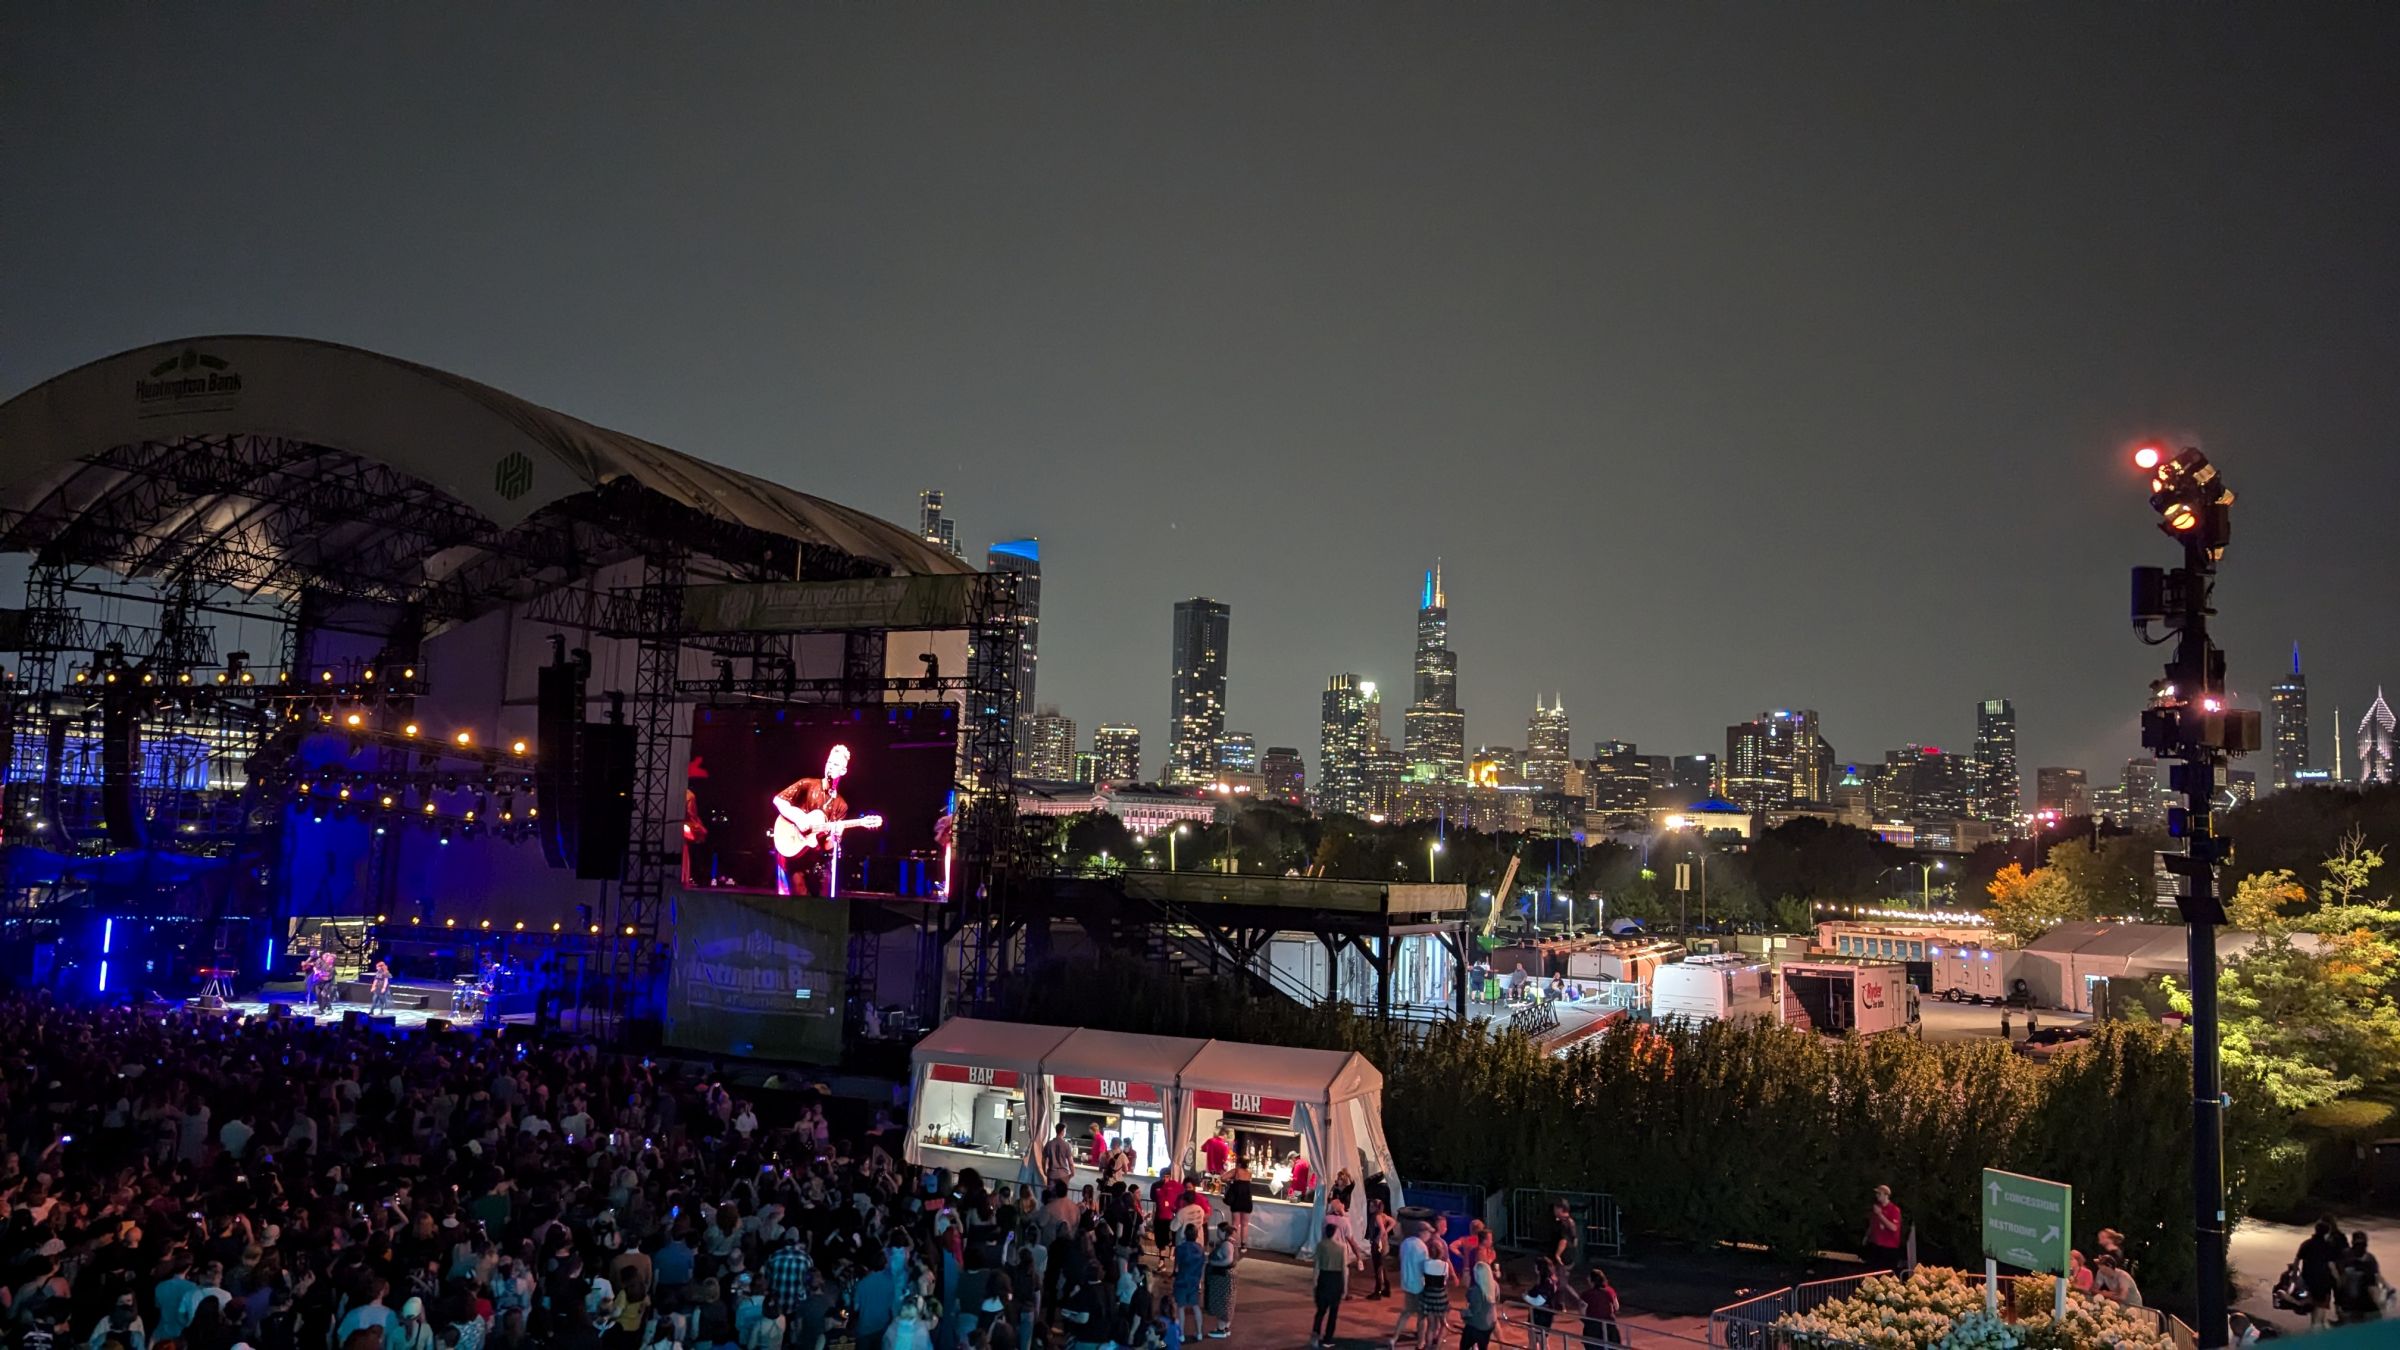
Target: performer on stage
x: 811, y: 816
x: 328, y: 985
x: 379, y: 988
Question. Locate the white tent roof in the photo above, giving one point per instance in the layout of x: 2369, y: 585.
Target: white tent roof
x: 1281, y: 1071
x: 1119, y: 1054
x: 979, y: 1044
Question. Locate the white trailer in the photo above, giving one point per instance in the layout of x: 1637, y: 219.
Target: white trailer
x: 1709, y: 988
x: 1633, y: 960
x: 1977, y: 974
x: 1835, y: 996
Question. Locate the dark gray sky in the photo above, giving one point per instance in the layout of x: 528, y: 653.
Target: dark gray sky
x: 1733, y: 356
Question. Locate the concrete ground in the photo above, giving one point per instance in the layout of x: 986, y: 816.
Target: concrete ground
x: 2262, y: 1249
x: 1273, y: 1306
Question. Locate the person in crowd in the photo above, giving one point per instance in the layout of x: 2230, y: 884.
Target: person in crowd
x: 1413, y: 1251
x: 1381, y: 1229
x: 2359, y: 1289
x: 1434, y: 1298
x: 1880, y: 1247
x: 1216, y: 1152
x: 1332, y: 1262
x: 1600, y: 1307
x: 2114, y: 1282
x: 1479, y: 1315
x: 1238, y: 1197
x: 1216, y: 1291
x: 2320, y: 1257
x: 1547, y: 1297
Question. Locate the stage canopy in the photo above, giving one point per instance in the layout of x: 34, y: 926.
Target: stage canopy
x: 272, y: 464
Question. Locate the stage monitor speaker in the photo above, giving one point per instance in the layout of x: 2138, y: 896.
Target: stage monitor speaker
x: 353, y: 1019
x: 121, y: 772
x: 276, y: 1012
x: 437, y: 1025
x: 603, y: 800
x: 558, y: 719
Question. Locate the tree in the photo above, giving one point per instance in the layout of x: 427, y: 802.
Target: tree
x: 2267, y: 901
x: 2349, y: 869
x: 2025, y: 904
x: 1098, y: 840
x: 1812, y: 859
x: 2112, y: 880
x: 2311, y: 1027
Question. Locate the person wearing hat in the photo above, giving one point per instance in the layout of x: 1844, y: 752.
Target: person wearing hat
x: 413, y: 1333
x: 1881, y: 1247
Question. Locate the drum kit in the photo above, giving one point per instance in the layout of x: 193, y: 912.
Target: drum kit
x: 467, y: 998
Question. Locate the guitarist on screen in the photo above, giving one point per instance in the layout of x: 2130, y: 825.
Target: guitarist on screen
x: 810, y: 817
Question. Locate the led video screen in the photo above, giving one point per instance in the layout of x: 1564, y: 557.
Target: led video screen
x: 822, y: 799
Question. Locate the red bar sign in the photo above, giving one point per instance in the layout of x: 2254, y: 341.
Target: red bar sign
x: 964, y: 1073
x: 1279, y: 1107
x: 1114, y: 1089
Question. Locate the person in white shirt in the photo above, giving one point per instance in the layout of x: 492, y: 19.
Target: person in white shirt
x: 1413, y: 1252
x: 235, y: 1135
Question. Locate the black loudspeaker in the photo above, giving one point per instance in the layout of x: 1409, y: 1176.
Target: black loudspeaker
x: 353, y: 1018
x: 121, y: 772
x: 558, y: 719
x: 437, y: 1025
x: 603, y: 801
x: 276, y: 1012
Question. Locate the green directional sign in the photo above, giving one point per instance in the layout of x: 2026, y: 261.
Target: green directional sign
x: 2026, y: 1220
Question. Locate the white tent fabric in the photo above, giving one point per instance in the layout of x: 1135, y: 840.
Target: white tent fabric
x: 1332, y: 1089
x: 974, y: 1043
x: 1156, y: 1061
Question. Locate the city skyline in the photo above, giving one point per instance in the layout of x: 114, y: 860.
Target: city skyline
x: 1541, y: 328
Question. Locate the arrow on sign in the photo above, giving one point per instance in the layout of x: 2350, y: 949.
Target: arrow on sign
x: 2050, y: 1235
x: 1995, y: 1190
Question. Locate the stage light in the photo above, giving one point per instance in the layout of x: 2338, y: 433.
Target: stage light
x: 383, y: 918
x: 345, y: 794
x: 485, y: 924
x: 520, y: 925
x: 354, y: 720
x: 449, y: 923
x: 532, y: 811
x: 2148, y: 457
x: 387, y: 799
x: 554, y: 926
x: 409, y: 674
x: 413, y: 920
x: 595, y: 928
x: 82, y: 675
x: 304, y: 789
x: 112, y: 677
x: 429, y: 808
x: 184, y: 678
x: 465, y: 738
x: 328, y: 677
x: 629, y: 930
x: 409, y: 730
x: 368, y: 675
x: 245, y: 677
x: 516, y: 747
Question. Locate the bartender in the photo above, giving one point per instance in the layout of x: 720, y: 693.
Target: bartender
x: 1217, y: 1151
x: 1099, y: 1146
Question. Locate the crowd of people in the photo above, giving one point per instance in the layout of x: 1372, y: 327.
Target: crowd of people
x: 1444, y: 1278
x: 180, y: 1182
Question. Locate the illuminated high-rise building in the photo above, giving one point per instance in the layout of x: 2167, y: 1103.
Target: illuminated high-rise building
x: 1433, y: 732
x: 936, y: 528
x: 1196, y: 712
x: 2061, y: 790
x: 1922, y: 783
x: 2375, y: 742
x: 1238, y: 753
x: 1774, y: 760
x: 1617, y: 781
x: 1548, y: 746
x: 1022, y: 558
x: 1284, y: 777
x: 1349, y: 736
x: 1117, y: 750
x: 1051, y: 747
x: 2289, y: 700
x: 1998, y: 792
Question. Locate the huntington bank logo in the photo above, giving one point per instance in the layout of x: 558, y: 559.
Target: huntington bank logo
x: 512, y: 477
x: 190, y: 382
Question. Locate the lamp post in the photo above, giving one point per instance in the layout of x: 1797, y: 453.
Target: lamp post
x: 1925, y: 897
x: 1432, y: 847
x: 1171, y: 836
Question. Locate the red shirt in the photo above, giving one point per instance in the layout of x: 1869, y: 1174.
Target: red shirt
x: 1886, y: 1229
x: 1302, y: 1178
x: 1215, y: 1153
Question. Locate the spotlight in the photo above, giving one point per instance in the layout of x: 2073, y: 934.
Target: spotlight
x: 354, y: 720
x: 516, y: 747
x: 2148, y: 457
x: 465, y: 738
x: 409, y: 730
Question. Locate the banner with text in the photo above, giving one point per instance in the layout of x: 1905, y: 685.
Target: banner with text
x: 758, y: 975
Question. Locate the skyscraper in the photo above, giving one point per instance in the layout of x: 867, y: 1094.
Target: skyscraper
x: 1618, y: 781
x: 937, y: 528
x: 1050, y: 752
x: 1434, y: 730
x: 1196, y: 697
x: 2289, y: 700
x: 1998, y: 793
x: 1921, y: 783
x: 1549, y: 749
x: 1349, y: 736
x: 1238, y: 753
x: 1023, y: 557
x: 1774, y: 760
x: 2062, y: 790
x: 1285, y: 777
x: 2137, y: 793
x: 1117, y: 748
x: 2375, y: 742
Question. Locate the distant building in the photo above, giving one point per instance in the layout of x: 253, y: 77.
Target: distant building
x: 2135, y: 802
x: 1617, y: 781
x: 2376, y: 742
x: 2241, y: 785
x: 1998, y: 795
x: 1549, y: 746
x: 1349, y: 736
x: 1919, y: 782
x: 1237, y: 753
x: 1434, y: 729
x: 1285, y: 777
x: 2061, y: 790
x: 935, y: 527
x: 1145, y: 808
x: 1087, y: 767
x: 1051, y: 747
x: 1387, y: 770
x: 1690, y: 775
x: 1774, y: 760
x: 1496, y: 766
x: 1196, y: 696
x: 1118, y: 748
x: 1023, y: 558
x: 2289, y: 701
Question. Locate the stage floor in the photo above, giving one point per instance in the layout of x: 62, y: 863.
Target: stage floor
x: 297, y: 1007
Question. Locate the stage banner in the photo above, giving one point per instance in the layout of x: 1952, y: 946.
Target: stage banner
x: 873, y: 604
x: 758, y: 975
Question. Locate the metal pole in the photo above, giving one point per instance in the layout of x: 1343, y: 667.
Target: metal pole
x: 2208, y: 1091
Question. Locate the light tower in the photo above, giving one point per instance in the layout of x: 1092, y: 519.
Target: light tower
x: 2188, y: 721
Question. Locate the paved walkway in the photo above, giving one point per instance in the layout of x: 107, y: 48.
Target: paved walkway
x: 1273, y: 1305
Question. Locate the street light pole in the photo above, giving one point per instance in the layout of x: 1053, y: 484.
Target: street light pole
x: 1432, y: 847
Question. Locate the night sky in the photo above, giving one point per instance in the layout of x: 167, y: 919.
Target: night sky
x: 1732, y: 357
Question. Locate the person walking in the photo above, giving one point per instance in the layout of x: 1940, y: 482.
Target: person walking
x: 379, y: 989
x: 1191, y: 1271
x: 2320, y: 1258
x: 1380, y: 1227
x: 1480, y: 1315
x: 1333, y: 1280
x: 1238, y: 1196
x: 1567, y: 1244
x: 2358, y: 1282
x: 1547, y: 1297
x: 1599, y: 1309
x: 1881, y: 1246
x: 1216, y: 1291
x: 1412, y: 1282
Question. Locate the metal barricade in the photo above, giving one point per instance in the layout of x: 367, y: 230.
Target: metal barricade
x: 1596, y: 1216
x: 1462, y: 1202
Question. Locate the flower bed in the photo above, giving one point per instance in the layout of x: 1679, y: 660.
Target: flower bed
x: 1940, y: 1307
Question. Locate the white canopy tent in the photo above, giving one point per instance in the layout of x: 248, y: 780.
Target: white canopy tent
x: 1009, y: 1052
x: 1334, y: 1099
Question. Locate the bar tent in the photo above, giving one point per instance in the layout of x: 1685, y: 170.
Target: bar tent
x: 1337, y: 1108
x: 1123, y: 1067
x: 1006, y: 1048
